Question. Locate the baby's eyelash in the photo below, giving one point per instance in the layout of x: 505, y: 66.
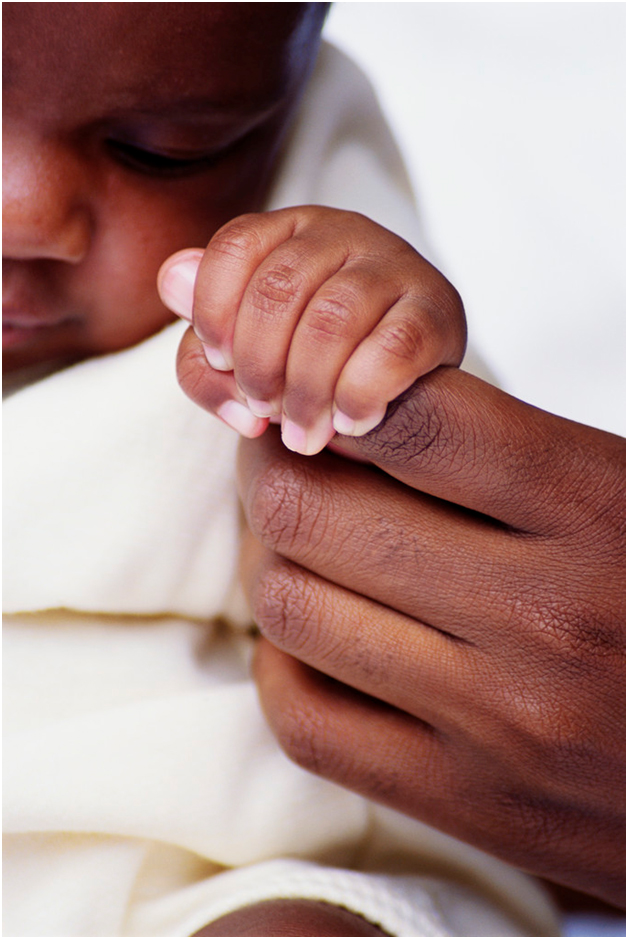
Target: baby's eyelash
x: 158, y: 164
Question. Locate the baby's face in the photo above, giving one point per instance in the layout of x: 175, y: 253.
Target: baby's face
x: 131, y: 130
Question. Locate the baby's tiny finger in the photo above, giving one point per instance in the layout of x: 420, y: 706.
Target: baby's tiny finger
x: 176, y: 279
x: 348, y: 427
x: 344, y: 309
x: 310, y: 441
x: 402, y: 347
x: 213, y: 390
x: 176, y: 283
x: 238, y: 416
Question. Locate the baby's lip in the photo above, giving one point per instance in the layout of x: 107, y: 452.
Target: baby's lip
x: 19, y: 326
x: 27, y: 319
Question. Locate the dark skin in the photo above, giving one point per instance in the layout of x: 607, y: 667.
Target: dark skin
x: 315, y: 318
x: 460, y: 605
x: 482, y: 655
x: 85, y: 235
x: 132, y: 130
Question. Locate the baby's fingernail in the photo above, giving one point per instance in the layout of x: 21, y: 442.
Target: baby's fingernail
x: 176, y: 286
x: 217, y: 359
x: 307, y: 442
x: 239, y: 417
x: 264, y: 408
x: 293, y: 436
x: 343, y: 424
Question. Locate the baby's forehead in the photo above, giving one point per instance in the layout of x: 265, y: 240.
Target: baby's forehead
x: 145, y: 51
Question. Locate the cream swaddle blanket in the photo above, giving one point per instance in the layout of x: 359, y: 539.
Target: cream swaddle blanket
x: 144, y: 794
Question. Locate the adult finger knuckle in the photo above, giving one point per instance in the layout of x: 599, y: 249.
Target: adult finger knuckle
x: 579, y: 627
x: 281, y: 608
x: 274, y: 509
x: 553, y: 719
x: 420, y: 429
x: 532, y: 820
x: 599, y: 524
x: 306, y: 736
x: 283, y: 513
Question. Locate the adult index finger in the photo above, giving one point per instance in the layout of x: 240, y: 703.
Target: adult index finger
x: 370, y: 534
x: 462, y: 440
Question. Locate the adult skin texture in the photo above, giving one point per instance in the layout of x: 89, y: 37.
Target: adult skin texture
x: 445, y: 629
x: 130, y: 131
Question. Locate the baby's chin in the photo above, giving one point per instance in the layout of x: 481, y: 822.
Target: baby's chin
x: 16, y: 378
x: 29, y: 343
x: 23, y: 363
x: 44, y: 363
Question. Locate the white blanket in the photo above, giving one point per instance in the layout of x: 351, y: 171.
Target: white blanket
x: 144, y: 795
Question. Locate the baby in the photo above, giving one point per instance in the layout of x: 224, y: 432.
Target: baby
x: 133, y: 131
x: 320, y: 318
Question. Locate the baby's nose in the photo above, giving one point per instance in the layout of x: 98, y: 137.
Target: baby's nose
x: 45, y: 211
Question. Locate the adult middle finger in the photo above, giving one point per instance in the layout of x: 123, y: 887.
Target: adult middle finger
x: 358, y: 528
x: 370, y: 647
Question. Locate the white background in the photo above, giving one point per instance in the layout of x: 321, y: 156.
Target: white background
x: 511, y: 117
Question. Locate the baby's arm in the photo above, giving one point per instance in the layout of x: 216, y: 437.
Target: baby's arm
x: 316, y: 317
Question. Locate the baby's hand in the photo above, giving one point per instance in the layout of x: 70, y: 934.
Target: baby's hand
x: 315, y: 317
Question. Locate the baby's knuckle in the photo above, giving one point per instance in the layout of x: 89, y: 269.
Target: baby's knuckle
x: 448, y: 302
x: 439, y: 298
x: 440, y: 312
x: 191, y: 368
x: 402, y: 339
x: 334, y: 317
x: 276, y: 290
x: 237, y: 241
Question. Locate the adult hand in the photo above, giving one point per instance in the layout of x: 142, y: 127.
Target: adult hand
x: 447, y: 636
